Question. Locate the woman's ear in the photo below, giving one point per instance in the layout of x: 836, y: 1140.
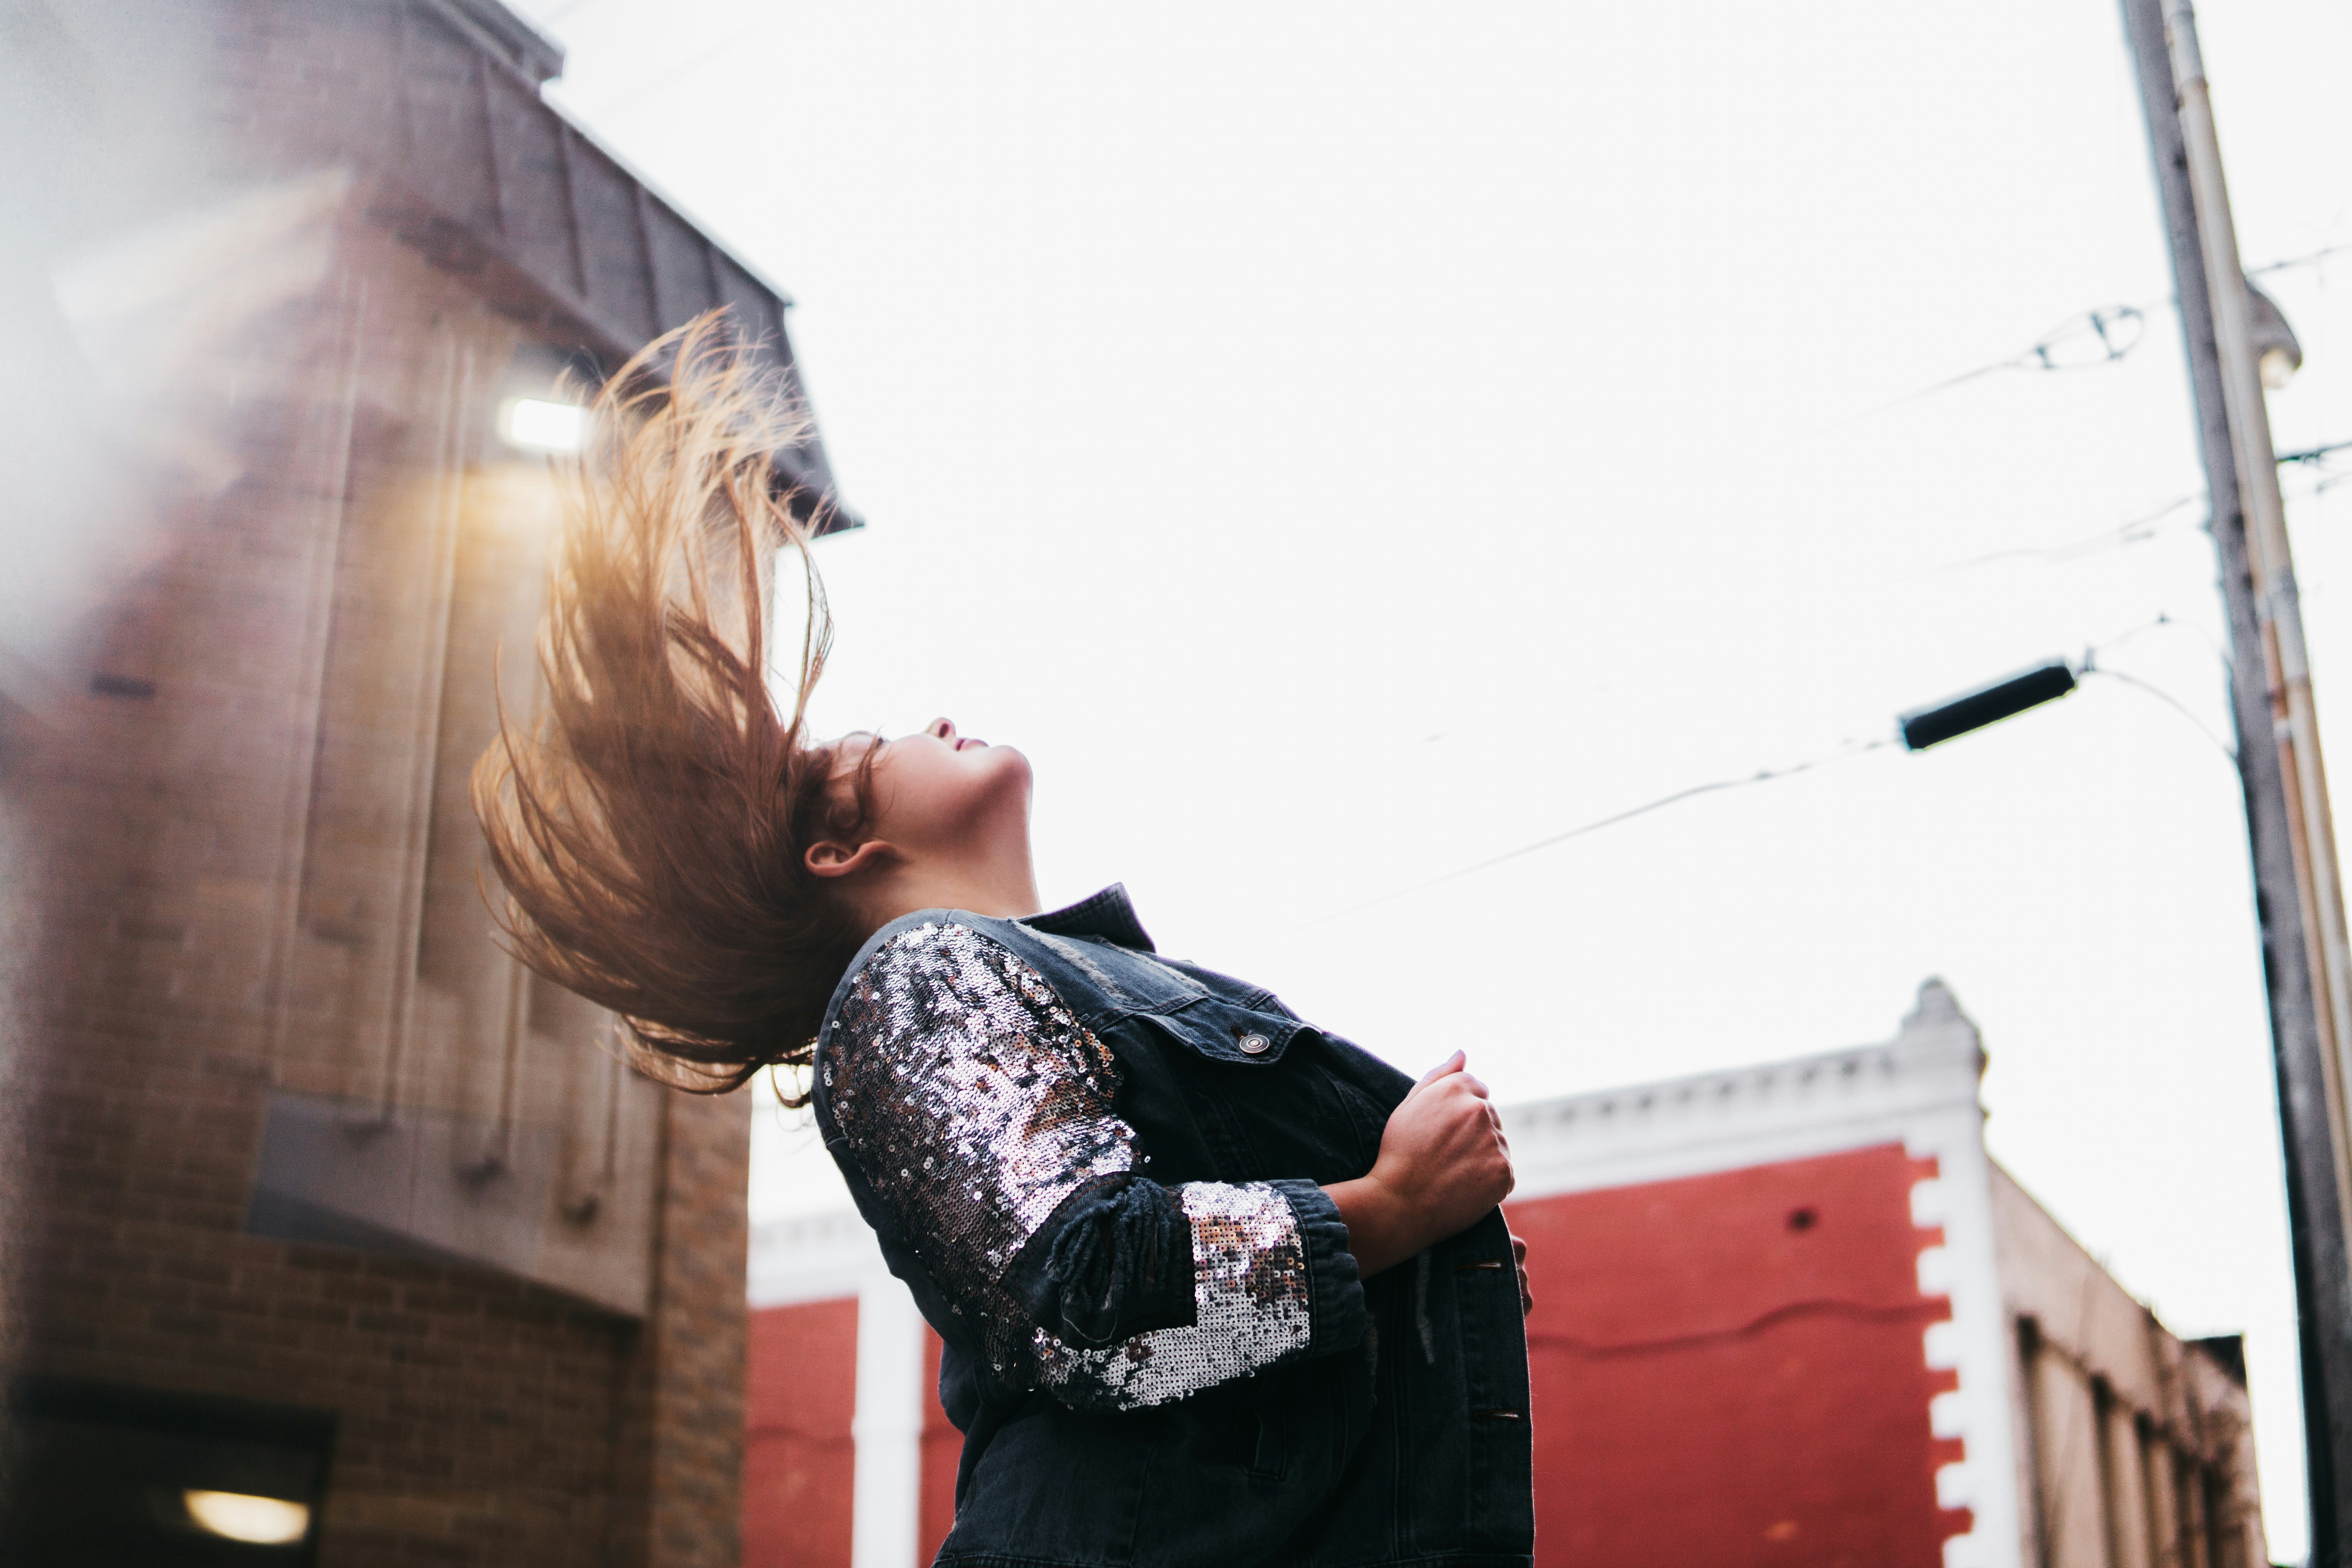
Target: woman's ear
x: 831, y: 858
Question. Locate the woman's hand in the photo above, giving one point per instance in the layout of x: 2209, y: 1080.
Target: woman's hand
x: 1443, y: 1152
x: 1443, y: 1162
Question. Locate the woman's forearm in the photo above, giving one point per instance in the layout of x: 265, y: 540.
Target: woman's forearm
x: 1442, y: 1162
x: 1382, y: 1231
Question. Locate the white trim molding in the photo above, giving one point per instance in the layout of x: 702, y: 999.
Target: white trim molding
x: 887, y: 1491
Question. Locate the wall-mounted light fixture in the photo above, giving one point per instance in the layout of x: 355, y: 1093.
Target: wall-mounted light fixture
x: 538, y: 425
x: 241, y: 1515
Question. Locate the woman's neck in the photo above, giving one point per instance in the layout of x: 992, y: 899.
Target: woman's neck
x: 1005, y: 891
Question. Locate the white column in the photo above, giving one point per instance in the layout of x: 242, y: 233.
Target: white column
x: 1976, y: 1342
x: 888, y: 1497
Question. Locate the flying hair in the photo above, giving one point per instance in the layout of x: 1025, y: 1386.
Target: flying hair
x: 649, y: 823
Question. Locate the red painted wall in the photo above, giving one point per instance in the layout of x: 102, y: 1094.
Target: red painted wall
x: 1729, y: 1372
x: 801, y: 1390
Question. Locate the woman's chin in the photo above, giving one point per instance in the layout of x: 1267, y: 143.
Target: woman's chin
x: 1009, y: 760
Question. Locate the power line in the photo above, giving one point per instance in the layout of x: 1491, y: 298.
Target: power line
x: 2313, y: 454
x: 1851, y: 750
x: 2130, y: 531
x: 2105, y: 323
x: 2269, y: 266
x: 2163, y: 621
x: 2137, y: 529
x: 2117, y: 329
x: 2160, y: 694
x: 1764, y: 775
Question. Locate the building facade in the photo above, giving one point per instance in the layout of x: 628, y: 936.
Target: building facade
x: 332, y: 1231
x: 1788, y: 1315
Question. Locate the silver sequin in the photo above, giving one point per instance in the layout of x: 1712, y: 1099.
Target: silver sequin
x: 974, y: 1103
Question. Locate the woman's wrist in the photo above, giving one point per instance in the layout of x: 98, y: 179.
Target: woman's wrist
x: 1381, y: 1231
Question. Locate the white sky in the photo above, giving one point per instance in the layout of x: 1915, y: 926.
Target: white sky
x: 1340, y: 444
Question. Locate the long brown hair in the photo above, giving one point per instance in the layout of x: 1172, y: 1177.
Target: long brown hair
x: 649, y: 826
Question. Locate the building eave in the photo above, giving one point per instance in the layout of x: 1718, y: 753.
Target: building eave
x: 461, y: 156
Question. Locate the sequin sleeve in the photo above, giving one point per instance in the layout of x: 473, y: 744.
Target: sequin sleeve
x: 980, y: 1117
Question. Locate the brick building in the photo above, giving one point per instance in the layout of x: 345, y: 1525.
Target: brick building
x: 1791, y: 1315
x: 328, y: 1225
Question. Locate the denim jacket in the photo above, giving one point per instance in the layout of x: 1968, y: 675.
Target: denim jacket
x: 1099, y: 1173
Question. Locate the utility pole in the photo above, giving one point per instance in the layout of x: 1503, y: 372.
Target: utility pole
x: 2278, y: 603
x: 2298, y: 900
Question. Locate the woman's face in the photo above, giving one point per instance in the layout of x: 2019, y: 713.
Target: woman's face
x: 939, y: 793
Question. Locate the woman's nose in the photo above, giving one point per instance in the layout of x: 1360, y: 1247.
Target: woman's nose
x: 943, y: 728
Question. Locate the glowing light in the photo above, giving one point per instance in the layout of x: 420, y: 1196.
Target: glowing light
x: 240, y: 1516
x: 542, y: 427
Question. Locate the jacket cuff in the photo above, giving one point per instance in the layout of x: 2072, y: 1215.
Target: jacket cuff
x: 1336, y: 1289
x: 1113, y: 1261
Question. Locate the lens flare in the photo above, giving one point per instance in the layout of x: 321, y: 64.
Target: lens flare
x: 544, y: 426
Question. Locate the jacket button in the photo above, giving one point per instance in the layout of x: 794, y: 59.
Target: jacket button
x: 1255, y: 1044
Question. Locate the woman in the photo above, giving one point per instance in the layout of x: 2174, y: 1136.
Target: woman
x: 1215, y: 1286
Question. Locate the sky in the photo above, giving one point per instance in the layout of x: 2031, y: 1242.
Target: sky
x: 1340, y: 445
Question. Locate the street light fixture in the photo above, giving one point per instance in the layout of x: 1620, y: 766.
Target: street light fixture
x: 2011, y: 695
x: 2277, y: 355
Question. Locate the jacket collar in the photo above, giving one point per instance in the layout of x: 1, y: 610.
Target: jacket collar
x: 1105, y: 914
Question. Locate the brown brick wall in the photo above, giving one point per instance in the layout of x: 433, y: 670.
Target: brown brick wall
x: 680, y: 1469
x: 482, y: 1418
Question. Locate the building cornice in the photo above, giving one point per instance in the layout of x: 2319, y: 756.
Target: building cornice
x: 1748, y: 1116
